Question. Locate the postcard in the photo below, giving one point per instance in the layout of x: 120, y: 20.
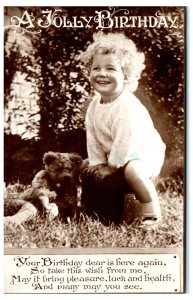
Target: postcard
x: 94, y: 149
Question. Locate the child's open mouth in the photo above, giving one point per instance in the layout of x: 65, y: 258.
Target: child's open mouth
x: 102, y: 82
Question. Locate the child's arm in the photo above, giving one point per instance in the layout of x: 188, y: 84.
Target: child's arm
x: 124, y: 144
x: 95, y: 153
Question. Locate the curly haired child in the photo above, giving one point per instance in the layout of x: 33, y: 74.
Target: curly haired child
x: 120, y: 131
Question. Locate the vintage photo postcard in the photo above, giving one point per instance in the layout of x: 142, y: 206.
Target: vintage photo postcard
x: 94, y: 149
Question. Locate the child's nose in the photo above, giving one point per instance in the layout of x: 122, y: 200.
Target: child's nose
x: 102, y: 72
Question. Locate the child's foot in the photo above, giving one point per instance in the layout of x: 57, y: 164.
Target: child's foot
x: 150, y: 223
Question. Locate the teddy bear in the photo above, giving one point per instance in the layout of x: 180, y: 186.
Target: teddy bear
x: 54, y: 189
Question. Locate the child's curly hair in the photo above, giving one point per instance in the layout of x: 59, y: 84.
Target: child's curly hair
x: 131, y: 60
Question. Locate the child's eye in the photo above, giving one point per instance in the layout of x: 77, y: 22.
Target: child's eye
x: 95, y: 68
x: 111, y: 69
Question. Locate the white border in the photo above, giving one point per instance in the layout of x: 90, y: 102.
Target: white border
x: 98, y: 3
x: 189, y: 109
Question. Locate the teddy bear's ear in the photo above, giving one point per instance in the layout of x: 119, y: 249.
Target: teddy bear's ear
x: 49, y: 157
x: 76, y: 158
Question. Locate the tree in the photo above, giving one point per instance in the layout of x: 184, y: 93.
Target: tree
x: 63, y: 90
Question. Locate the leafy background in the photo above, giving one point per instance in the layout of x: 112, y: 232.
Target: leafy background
x: 51, y: 63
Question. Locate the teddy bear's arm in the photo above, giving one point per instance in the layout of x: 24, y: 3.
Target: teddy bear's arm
x: 41, y: 188
x: 40, y: 180
x: 44, y: 201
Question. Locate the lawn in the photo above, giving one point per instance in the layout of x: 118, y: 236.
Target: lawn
x: 88, y: 232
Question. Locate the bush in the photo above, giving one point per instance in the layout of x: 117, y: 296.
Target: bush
x: 63, y: 91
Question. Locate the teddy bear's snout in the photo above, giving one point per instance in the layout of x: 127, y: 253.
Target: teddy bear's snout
x: 67, y: 173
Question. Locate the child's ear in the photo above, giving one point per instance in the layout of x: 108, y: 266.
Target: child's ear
x: 86, y: 73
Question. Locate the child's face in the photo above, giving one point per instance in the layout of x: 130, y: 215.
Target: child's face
x: 106, y: 76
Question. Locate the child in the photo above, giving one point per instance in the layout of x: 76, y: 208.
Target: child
x: 120, y: 132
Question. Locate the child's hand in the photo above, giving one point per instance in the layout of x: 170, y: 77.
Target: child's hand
x: 91, y: 170
x: 103, y: 172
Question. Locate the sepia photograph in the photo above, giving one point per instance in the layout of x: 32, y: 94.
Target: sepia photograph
x: 94, y: 149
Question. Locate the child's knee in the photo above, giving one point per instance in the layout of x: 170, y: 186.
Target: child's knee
x: 136, y: 169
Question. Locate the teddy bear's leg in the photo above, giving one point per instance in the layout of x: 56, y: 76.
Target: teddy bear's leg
x: 26, y: 212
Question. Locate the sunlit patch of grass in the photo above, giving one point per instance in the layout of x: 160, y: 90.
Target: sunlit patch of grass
x: 88, y: 232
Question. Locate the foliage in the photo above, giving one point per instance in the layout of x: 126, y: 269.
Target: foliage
x: 165, y: 54
x: 9, y: 60
x: 60, y: 83
x: 162, y: 84
x: 23, y: 158
x: 63, y: 92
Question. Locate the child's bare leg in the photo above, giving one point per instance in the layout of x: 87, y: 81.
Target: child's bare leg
x: 138, y: 177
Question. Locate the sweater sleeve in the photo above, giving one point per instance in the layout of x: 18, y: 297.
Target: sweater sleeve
x: 122, y: 148
x: 95, y: 153
x: 124, y: 131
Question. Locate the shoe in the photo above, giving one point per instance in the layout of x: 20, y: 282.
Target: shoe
x: 150, y: 223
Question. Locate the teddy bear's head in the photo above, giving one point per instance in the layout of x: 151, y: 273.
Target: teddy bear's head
x: 61, y: 166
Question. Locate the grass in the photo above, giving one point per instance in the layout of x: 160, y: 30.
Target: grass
x: 88, y: 232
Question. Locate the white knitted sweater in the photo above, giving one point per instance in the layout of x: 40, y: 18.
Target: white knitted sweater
x: 120, y: 131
